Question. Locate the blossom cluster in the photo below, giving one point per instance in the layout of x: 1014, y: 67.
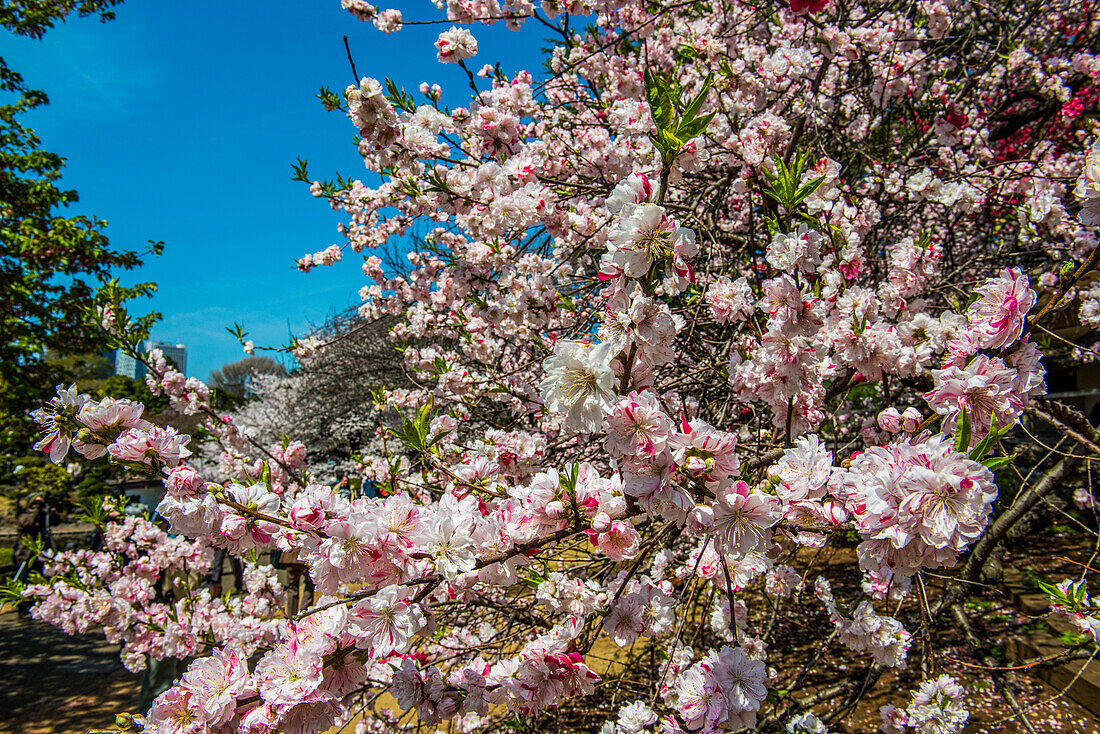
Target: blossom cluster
x: 143, y: 590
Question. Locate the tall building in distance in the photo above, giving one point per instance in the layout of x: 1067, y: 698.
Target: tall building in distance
x: 130, y: 367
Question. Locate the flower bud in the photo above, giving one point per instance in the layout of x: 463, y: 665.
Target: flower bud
x: 601, y: 523
x: 834, y: 512
x: 126, y: 722
x: 911, y: 419
x: 234, y: 526
x: 889, y: 420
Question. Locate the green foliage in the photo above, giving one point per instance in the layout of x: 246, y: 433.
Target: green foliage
x: 962, y: 431
x: 677, y: 119
x: 980, y: 452
x: 95, y: 511
x: 50, y: 263
x: 1073, y: 638
x: 533, y: 578
x: 34, y: 475
x: 329, y: 188
x: 783, y: 185
x: 11, y: 593
x: 996, y: 462
x: 415, y: 434
x: 121, y: 386
x: 34, y: 17
x: 331, y: 100
x: 1073, y: 599
x: 851, y: 538
x: 784, y: 188
x: 399, y: 98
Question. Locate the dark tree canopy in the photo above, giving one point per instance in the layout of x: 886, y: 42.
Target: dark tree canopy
x: 34, y: 17
x: 51, y: 262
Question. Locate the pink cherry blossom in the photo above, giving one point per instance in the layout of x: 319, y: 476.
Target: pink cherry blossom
x: 998, y: 316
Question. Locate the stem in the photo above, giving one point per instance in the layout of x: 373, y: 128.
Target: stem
x: 347, y: 49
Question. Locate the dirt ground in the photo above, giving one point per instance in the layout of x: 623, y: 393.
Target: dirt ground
x: 57, y: 684
x: 994, y: 616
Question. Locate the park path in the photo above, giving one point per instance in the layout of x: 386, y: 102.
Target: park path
x: 51, y: 683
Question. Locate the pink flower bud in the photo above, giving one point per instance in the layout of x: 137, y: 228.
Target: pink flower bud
x: 305, y: 516
x: 911, y: 418
x: 183, y: 481
x: 889, y: 420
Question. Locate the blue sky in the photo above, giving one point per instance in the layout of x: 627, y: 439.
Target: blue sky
x: 180, y: 122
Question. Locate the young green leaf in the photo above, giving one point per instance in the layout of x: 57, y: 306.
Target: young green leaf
x: 996, y: 462
x: 696, y: 104
x: 986, y: 444
x: 806, y: 190
x: 962, y: 431
x: 691, y: 128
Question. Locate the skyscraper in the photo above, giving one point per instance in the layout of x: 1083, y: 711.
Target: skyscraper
x: 130, y: 367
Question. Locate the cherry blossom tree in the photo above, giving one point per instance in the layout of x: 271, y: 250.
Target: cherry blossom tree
x: 730, y: 284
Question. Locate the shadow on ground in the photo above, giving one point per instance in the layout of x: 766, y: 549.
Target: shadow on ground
x: 55, y: 684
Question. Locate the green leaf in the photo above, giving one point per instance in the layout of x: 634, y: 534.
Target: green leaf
x: 11, y: 592
x: 439, y: 438
x: 772, y: 194
x: 991, y: 439
x: 301, y: 170
x: 674, y: 142
x: 986, y: 444
x: 684, y: 54
x: 533, y: 579
x: 414, y: 433
x: 399, y: 98
x: 997, y: 462
x: 658, y: 97
x: 806, y: 190
x: 688, y: 130
x: 696, y: 104
x: 962, y: 431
